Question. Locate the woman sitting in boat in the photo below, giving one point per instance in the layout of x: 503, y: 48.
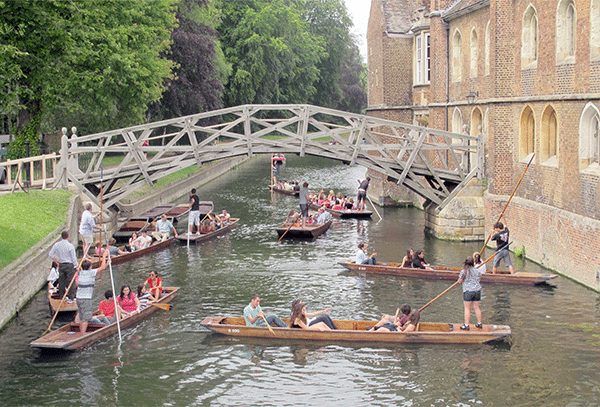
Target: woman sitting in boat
x: 330, y: 201
x: 135, y: 243
x: 393, y: 322
x: 144, y: 296
x: 410, y: 326
x: 408, y: 259
x: 298, y: 319
x: 317, y: 316
x: 349, y: 205
x: 207, y: 226
x: 114, y: 250
x: 128, y: 301
x: 155, y: 283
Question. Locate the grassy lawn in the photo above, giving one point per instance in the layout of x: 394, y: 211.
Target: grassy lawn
x: 26, y: 218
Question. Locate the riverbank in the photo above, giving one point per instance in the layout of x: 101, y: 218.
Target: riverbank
x: 23, y: 278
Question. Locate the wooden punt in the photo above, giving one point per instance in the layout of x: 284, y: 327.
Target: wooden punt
x: 205, y: 207
x: 55, y: 303
x: 136, y: 225
x: 122, y: 258
x: 177, y: 212
x: 68, y: 337
x: 345, y: 213
x: 356, y: 331
x: 285, y: 191
x: 449, y: 273
x: 297, y: 232
x: 203, y: 237
x: 157, y: 211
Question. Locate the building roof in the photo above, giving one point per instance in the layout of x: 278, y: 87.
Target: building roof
x: 397, y: 16
x: 462, y: 7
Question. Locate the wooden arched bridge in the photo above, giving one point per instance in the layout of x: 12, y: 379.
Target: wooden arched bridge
x: 434, y: 164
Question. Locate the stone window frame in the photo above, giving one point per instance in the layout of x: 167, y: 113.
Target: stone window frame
x: 474, y: 53
x: 566, y: 36
x: 527, y: 132
x: 589, y: 139
x: 549, y: 137
x: 422, y: 58
x: 457, y: 121
x: 457, y: 56
x: 595, y: 30
x: 529, y: 38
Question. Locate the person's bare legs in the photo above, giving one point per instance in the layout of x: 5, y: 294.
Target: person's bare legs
x: 467, y: 305
x: 477, y: 310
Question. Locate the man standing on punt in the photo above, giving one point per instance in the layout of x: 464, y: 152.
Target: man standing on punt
x: 63, y: 253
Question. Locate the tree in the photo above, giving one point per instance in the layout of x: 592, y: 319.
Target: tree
x: 200, y: 69
x: 341, y: 67
x: 94, y: 62
x: 273, y: 54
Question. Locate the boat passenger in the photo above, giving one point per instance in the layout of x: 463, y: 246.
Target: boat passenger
x: 408, y: 259
x: 298, y: 319
x: 146, y: 240
x: 163, y: 229
x: 479, y: 263
x: 224, y: 217
x: 207, y: 226
x: 393, y: 322
x: 85, y: 291
x: 317, y: 316
x: 420, y: 263
x: 130, y: 247
x: 469, y: 278
x: 297, y: 188
x: 144, y: 296
x: 410, y: 326
x: 254, y: 316
x: 361, y: 255
x: 53, y: 277
x: 106, y: 307
x: 155, y: 283
x: 322, y: 216
x: 114, y: 250
x: 128, y: 301
x: 98, y: 249
x: 349, y: 204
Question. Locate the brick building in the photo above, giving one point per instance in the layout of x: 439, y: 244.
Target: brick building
x: 532, y: 71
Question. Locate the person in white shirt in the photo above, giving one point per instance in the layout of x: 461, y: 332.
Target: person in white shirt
x: 362, y: 258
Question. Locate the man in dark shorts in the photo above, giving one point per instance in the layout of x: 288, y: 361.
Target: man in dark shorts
x: 502, y: 236
x: 362, y: 193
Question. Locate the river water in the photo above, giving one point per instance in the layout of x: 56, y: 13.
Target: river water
x: 552, y: 358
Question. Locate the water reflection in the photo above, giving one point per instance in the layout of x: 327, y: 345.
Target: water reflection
x: 169, y: 359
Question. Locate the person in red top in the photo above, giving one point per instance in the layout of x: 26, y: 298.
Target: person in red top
x: 107, y: 306
x: 128, y: 301
x: 155, y: 283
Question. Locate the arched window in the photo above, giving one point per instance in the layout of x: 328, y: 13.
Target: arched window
x: 487, y: 48
x: 565, y: 31
x: 549, y: 140
x: 595, y: 29
x: 476, y: 128
x: 474, y: 53
x: 589, y: 135
x: 527, y: 134
x: 456, y: 56
x: 529, y: 37
x: 457, y: 121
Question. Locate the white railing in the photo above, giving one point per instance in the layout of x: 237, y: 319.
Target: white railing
x: 41, y: 168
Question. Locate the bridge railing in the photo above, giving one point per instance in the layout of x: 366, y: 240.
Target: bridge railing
x: 433, y: 163
x: 41, y: 168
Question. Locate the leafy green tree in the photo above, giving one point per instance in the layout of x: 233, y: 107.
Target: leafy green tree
x: 341, y: 67
x: 200, y: 69
x: 273, y: 54
x: 92, y: 63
